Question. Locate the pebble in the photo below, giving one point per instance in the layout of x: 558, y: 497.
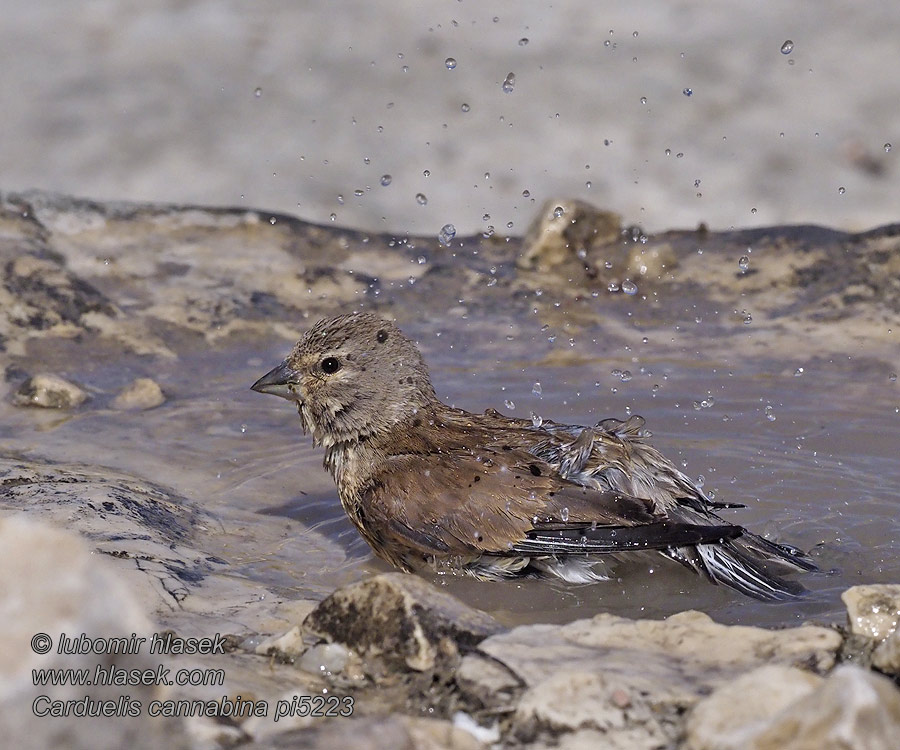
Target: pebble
x: 49, y: 391
x: 140, y: 395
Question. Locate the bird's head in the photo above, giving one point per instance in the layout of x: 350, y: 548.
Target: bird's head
x: 352, y: 376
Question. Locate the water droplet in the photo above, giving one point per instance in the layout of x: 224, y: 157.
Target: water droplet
x: 687, y: 92
x: 536, y: 420
x: 536, y: 389
x: 752, y: 210
x: 612, y: 287
x: 257, y: 92
x: 893, y: 377
x: 744, y: 263
x: 450, y: 63
x: 629, y: 287
x: 509, y: 404
x: 526, y: 193
x: 564, y: 514
x: 626, y: 376
x: 359, y: 193
x: 509, y: 83
x: 842, y: 190
x: 887, y: 147
x: 588, y: 184
x: 798, y: 372
x: 748, y: 318
x: 386, y: 180
x: 787, y: 47
x: 464, y: 107
x: 769, y: 415
x: 643, y: 100
x: 421, y: 260
x: 523, y: 41
x: 447, y: 233
x: 558, y: 212
x: 421, y: 199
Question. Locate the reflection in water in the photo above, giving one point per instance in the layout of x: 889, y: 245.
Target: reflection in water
x: 823, y: 474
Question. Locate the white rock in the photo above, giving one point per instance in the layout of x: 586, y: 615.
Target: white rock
x: 51, y: 583
x: 49, y: 391
x: 874, y: 610
x: 853, y: 709
x: 738, y: 710
x: 140, y: 395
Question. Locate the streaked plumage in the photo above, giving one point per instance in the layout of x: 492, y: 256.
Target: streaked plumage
x: 427, y: 484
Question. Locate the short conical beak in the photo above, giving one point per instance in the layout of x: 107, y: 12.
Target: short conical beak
x: 282, y: 381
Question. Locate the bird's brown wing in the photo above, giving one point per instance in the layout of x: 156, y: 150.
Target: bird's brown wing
x: 508, y: 502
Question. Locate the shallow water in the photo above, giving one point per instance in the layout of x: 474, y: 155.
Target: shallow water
x: 812, y: 455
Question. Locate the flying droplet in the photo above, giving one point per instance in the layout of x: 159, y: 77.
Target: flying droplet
x: 523, y: 41
x: 450, y: 63
x: 688, y: 92
x: 447, y: 233
x: 386, y: 180
x: 509, y: 83
x: 421, y: 199
x: 465, y: 107
x: 842, y: 190
x: 744, y: 263
x: 564, y: 514
x: 536, y: 389
x: 787, y: 47
x: 509, y: 404
x: 536, y: 420
x: 887, y: 147
x: 257, y: 92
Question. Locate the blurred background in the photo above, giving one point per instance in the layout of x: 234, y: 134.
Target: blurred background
x: 408, y: 115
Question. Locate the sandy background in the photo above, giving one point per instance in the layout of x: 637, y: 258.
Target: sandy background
x: 288, y: 105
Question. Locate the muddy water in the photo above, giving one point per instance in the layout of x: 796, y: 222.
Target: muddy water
x: 812, y: 454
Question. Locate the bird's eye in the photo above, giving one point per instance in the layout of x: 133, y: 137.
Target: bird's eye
x: 330, y: 365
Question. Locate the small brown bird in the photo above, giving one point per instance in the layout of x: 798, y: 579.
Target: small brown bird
x: 494, y: 496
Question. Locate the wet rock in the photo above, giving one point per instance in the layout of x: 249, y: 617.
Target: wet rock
x: 681, y: 660
x: 566, y: 231
x: 401, y: 621
x: 141, y: 394
x: 148, y: 532
x: 739, y: 710
x: 571, y: 701
x: 284, y: 646
x: 371, y: 733
x: 886, y: 656
x: 51, y: 583
x: 873, y: 610
x: 325, y: 658
x: 853, y: 709
x: 49, y: 391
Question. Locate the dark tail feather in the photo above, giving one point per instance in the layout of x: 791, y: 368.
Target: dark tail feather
x: 742, y: 565
x: 784, y: 556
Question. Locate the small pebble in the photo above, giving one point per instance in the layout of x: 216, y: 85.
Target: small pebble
x: 49, y: 391
x: 325, y: 658
x: 142, y: 394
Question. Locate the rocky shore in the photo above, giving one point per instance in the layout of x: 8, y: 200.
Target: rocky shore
x: 107, y: 548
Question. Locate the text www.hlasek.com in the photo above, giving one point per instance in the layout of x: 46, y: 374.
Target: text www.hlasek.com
x: 113, y: 675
